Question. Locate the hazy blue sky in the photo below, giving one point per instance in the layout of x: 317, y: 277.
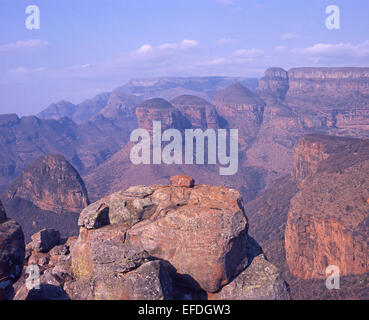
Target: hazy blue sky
x: 88, y: 46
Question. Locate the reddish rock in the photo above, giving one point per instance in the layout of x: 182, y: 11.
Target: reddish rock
x: 200, y: 231
x: 158, y: 110
x: 44, y: 240
x: 12, y: 251
x: 241, y: 109
x: 199, y: 112
x: 274, y: 84
x: 312, y: 149
x: 52, y: 184
x: 328, y: 218
x: 260, y: 281
x: 182, y: 181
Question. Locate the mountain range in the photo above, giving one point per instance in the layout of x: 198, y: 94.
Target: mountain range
x: 303, y: 161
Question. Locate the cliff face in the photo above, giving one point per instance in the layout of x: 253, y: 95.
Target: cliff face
x: 241, y: 109
x: 311, y: 150
x: 158, y: 110
x: 51, y: 184
x: 11, y: 254
x: 47, y: 194
x: 58, y: 111
x: 328, y: 218
x: 199, y: 112
x: 274, y: 84
x: 120, y: 104
x: 302, y: 101
x: 318, y: 216
x: 328, y: 86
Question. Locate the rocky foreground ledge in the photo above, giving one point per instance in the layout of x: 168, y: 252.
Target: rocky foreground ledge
x: 179, y: 241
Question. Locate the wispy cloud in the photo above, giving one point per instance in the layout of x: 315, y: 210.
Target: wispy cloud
x: 227, y: 41
x: 144, y: 49
x: 168, y: 46
x: 184, y: 44
x: 24, y: 71
x: 226, y: 2
x: 281, y: 49
x: 336, y: 50
x: 249, y: 53
x: 23, y: 45
x: 289, y: 36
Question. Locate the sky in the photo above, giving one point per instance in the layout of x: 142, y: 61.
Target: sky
x: 85, y: 47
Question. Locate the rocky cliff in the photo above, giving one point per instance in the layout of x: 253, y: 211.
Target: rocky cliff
x: 198, y: 112
x: 274, y: 85
x: 318, y: 216
x: 58, y: 111
x: 51, y: 184
x: 302, y: 101
x: 240, y: 109
x: 48, y: 193
x: 11, y: 254
x: 182, y: 241
x: 158, y: 110
x: 328, y: 218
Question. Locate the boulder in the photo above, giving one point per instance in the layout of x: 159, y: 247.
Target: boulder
x: 12, y: 251
x: 44, y: 240
x: 182, y: 181
x: 260, y: 281
x: 200, y: 231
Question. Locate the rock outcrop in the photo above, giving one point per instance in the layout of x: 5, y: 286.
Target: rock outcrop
x: 58, y: 111
x: 51, y: 184
x: 332, y: 87
x: 328, y: 218
x: 199, y: 112
x: 260, y: 281
x: 323, y: 205
x: 47, y: 268
x: 241, y: 109
x: 192, y: 240
x: 311, y: 150
x: 158, y: 110
x: 49, y: 193
x: 12, y: 252
x: 274, y: 84
x: 121, y: 104
x: 87, y: 109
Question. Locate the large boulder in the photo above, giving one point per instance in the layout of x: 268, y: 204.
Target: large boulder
x: 12, y: 250
x: 260, y: 281
x: 44, y: 240
x: 201, y: 231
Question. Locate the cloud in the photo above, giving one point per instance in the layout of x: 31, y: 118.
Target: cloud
x: 226, y: 2
x: 336, y: 50
x: 249, y: 53
x: 289, y: 36
x: 184, y: 44
x: 281, y: 48
x: 24, y: 71
x: 227, y: 41
x: 144, y: 49
x: 23, y: 45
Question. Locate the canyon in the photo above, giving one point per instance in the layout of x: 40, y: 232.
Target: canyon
x: 302, y: 181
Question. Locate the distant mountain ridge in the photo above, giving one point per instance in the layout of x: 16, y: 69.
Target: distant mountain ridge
x: 138, y: 90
